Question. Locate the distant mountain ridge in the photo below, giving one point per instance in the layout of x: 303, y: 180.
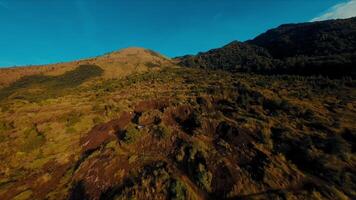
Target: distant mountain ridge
x: 313, y: 48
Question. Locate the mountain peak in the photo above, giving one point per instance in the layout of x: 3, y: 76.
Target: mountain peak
x: 135, y: 51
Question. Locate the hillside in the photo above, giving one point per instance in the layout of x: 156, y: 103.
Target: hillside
x: 133, y: 124
x: 130, y: 124
x: 115, y: 65
x: 317, y: 48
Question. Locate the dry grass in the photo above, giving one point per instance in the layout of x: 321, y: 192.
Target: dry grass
x: 264, y: 121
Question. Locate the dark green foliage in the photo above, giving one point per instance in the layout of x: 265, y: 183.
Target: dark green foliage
x: 319, y: 48
x: 161, y: 131
x: 235, y: 56
x: 51, y: 86
x: 193, y: 160
x: 314, y: 39
x: 204, y: 177
x: 131, y: 134
x: 177, y: 190
x: 191, y: 123
x: 75, y: 77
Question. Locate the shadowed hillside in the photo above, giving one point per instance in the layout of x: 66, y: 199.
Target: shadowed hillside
x: 42, y: 86
x: 333, y: 37
x: 319, y: 48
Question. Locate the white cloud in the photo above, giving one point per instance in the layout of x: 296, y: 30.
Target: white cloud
x: 339, y: 11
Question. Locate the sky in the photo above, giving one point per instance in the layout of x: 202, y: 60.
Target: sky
x: 34, y: 32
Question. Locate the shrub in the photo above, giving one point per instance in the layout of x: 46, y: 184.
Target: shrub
x: 191, y: 123
x: 338, y: 146
x: 131, y: 134
x: 161, y: 131
x: 177, y: 190
x: 204, y: 177
x: 149, y: 117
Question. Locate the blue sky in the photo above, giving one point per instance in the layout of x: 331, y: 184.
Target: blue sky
x: 43, y: 31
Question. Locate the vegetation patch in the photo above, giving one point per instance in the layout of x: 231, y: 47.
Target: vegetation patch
x: 178, y: 190
x: 161, y: 131
x: 131, y: 134
x: 33, y: 140
x: 49, y: 86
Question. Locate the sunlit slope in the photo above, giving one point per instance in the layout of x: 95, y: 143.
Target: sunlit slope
x: 181, y: 133
x: 116, y: 64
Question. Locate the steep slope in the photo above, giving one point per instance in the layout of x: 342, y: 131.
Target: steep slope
x: 236, y: 56
x: 318, y: 48
x: 322, y: 38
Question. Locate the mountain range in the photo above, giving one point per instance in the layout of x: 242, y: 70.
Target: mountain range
x: 316, y: 48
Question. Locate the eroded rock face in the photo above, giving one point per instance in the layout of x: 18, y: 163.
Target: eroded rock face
x: 99, y: 173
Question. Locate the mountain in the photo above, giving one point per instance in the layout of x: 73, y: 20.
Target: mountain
x: 236, y: 56
x: 310, y: 39
x: 115, y: 65
x: 316, y: 48
x: 132, y: 124
x: 51, y: 80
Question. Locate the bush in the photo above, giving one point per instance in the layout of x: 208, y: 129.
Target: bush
x: 191, y: 123
x: 193, y: 160
x: 274, y: 105
x: 177, y: 190
x: 204, y: 177
x: 161, y: 131
x: 131, y: 134
x: 338, y: 146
